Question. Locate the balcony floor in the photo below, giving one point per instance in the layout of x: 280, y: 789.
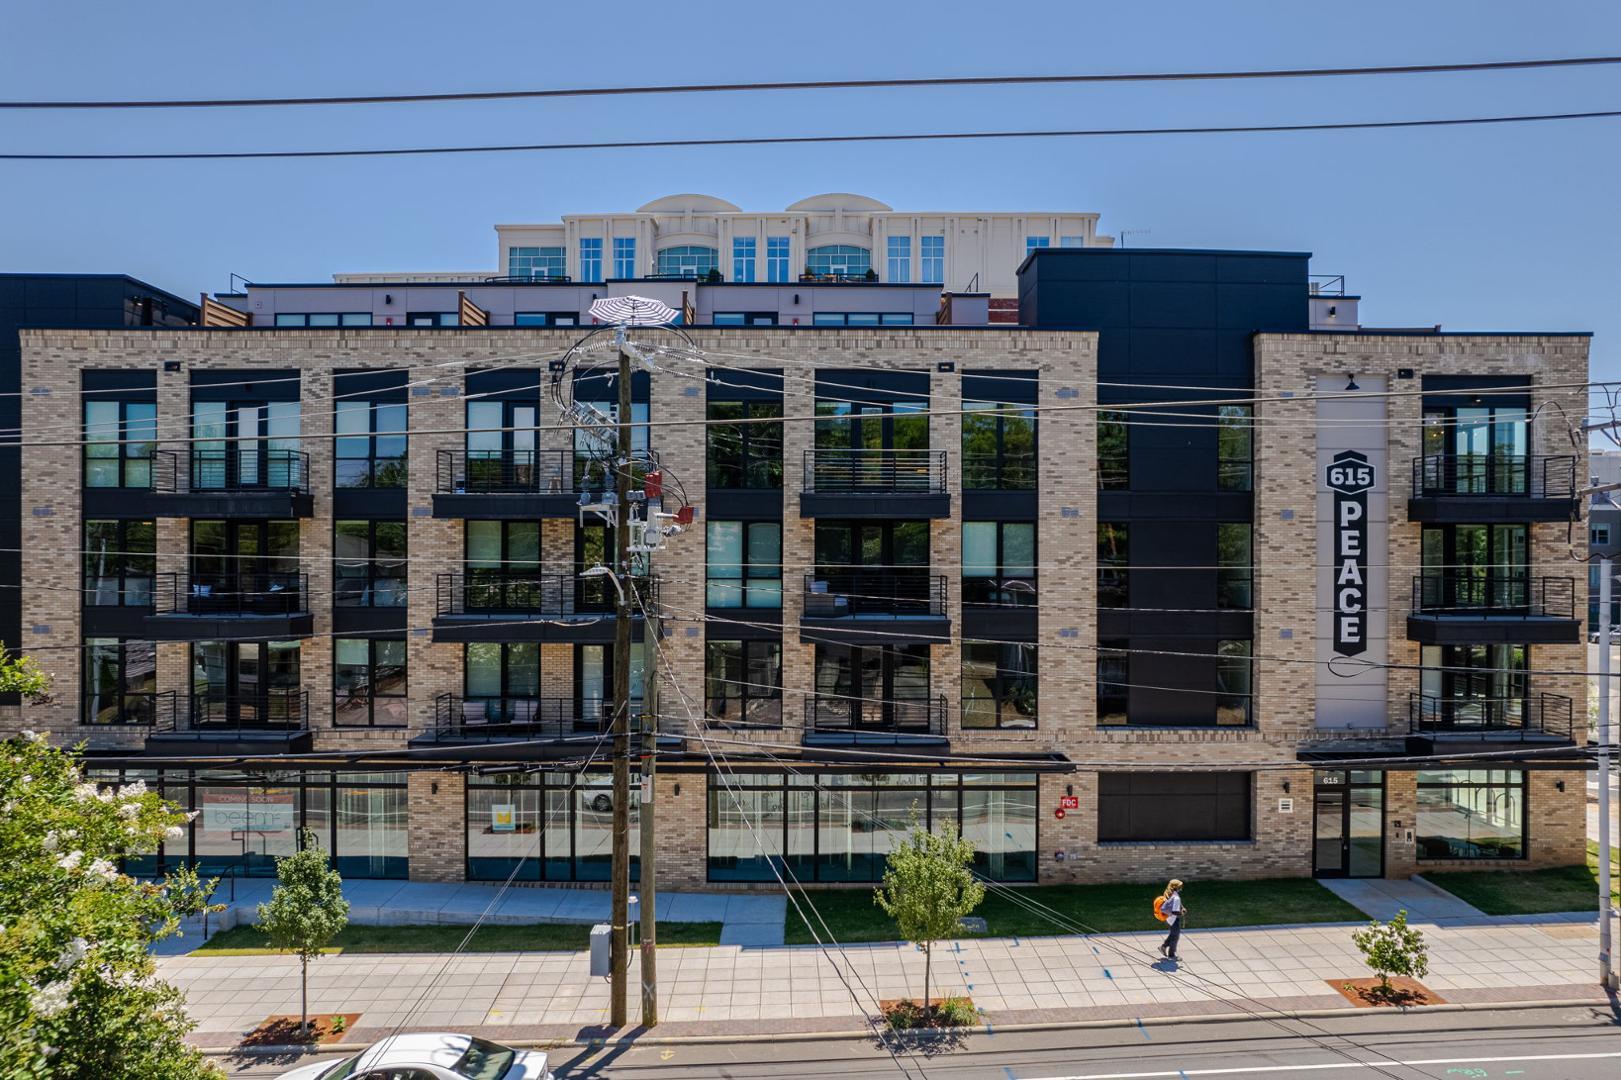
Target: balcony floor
x: 1484, y: 628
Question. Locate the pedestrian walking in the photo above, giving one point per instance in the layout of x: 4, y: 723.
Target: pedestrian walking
x: 1169, y: 909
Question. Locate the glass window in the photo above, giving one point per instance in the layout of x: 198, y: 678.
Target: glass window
x: 1235, y: 465
x: 1114, y: 451
x: 743, y: 248
x: 343, y: 318
x: 1000, y: 821
x: 1031, y: 243
x: 776, y: 258
x: 900, y: 258
x: 368, y: 682
x: 120, y: 563
x: 537, y: 262
x: 745, y: 831
x: 1599, y: 534
x: 1234, y: 576
x: 504, y: 830
x: 369, y: 451
x: 999, y: 563
x: 839, y: 261
x: 746, y: 455
x: 998, y: 685
x: 369, y: 563
x: 1072, y: 241
x: 745, y: 564
x: 1471, y: 814
x: 625, y: 257
x: 1114, y: 682
x: 1172, y: 806
x: 689, y: 261
x: 1234, y: 674
x: 998, y: 446
x: 119, y: 440
x: 1114, y: 558
x: 591, y: 258
x: 933, y: 252
x: 743, y: 683
x: 369, y: 829
x: 120, y: 681
x: 546, y: 318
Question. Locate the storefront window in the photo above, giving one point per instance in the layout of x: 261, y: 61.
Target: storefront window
x: 1471, y: 814
x: 556, y: 828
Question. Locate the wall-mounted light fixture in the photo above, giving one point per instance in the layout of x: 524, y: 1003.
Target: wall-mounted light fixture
x: 388, y: 298
x: 1069, y: 789
x: 433, y: 788
x: 678, y: 791
x: 1560, y: 784
x: 796, y: 298
x: 1286, y: 786
x: 1350, y: 383
x: 1333, y: 309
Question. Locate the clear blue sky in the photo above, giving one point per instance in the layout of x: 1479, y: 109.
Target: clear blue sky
x: 1483, y: 228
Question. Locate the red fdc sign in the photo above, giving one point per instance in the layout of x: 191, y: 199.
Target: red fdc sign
x: 1069, y: 802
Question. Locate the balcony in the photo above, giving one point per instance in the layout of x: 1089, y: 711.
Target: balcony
x: 238, y: 607
x: 1461, y: 724
x: 253, y: 481
x: 1489, y: 488
x: 874, y: 608
x: 1492, y: 607
x: 269, y: 722
x: 884, y: 484
x: 497, y: 606
x: 479, y: 485
x: 550, y: 727
x: 841, y: 721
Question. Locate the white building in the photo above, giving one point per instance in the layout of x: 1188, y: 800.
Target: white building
x: 826, y: 237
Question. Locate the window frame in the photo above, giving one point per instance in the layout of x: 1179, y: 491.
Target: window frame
x: 744, y: 249
x: 368, y: 582
x: 546, y: 318
x: 1594, y: 537
x: 286, y: 319
x: 842, y: 262
x: 538, y: 255
x: 124, y: 449
x: 779, y: 253
x: 624, y: 257
x: 746, y: 691
x: 1115, y: 653
x: 1114, y: 464
x: 746, y: 572
x: 1523, y: 787
x: 750, y: 436
x: 1235, y: 473
x: 1114, y: 569
x: 124, y: 695
x: 120, y: 558
x: 1000, y: 467
x: 1235, y: 581
x: 1147, y: 781
x: 932, y: 259
x: 374, y: 461
x: 687, y: 261
x: 898, y: 259
x: 983, y: 588
x: 591, y: 259
x: 371, y: 697
x: 1005, y: 706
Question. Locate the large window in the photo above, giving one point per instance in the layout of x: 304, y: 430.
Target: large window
x: 1235, y: 673
x: 625, y: 257
x: 1469, y: 567
x: 370, y: 450
x: 119, y: 437
x: 323, y: 318
x: 747, y: 455
x: 1114, y: 557
x: 999, y: 562
x: 369, y: 564
x: 1235, y: 453
x: 745, y: 564
x: 120, y: 681
x: 688, y: 261
x: 1471, y: 814
x: 496, y: 672
x: 1170, y: 806
x: 743, y: 249
x: 120, y: 560
x: 1114, y: 683
x: 862, y: 318
x: 1032, y: 243
x: 743, y: 683
x: 933, y: 252
x: 591, y: 258
x: 998, y: 446
x: 776, y: 258
x: 838, y: 260
x: 998, y: 685
x: 1234, y: 577
x: 537, y: 262
x: 836, y: 827
x: 368, y: 683
x: 1114, y: 451
x: 551, y: 827
x: 900, y: 258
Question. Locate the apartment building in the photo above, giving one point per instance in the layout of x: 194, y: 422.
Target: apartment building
x: 1119, y: 591
x: 831, y: 237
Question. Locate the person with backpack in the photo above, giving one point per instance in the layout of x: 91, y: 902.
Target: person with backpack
x: 1169, y: 909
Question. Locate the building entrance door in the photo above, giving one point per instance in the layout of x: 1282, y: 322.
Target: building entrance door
x: 1348, y: 830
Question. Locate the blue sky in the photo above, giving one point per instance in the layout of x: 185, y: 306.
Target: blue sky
x: 1482, y: 228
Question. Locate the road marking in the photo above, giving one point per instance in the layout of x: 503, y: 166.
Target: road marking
x: 1381, y: 1064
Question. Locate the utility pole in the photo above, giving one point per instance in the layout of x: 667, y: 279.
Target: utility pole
x: 1607, y: 977
x: 619, y: 952
x: 648, y: 887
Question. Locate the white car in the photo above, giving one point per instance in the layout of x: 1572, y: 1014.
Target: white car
x: 431, y: 1056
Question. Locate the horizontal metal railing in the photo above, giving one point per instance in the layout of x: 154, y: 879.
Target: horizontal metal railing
x: 248, y: 466
x: 893, y: 592
x: 231, y: 594
x: 1493, y: 591
x: 875, y: 471
x: 478, y: 592
x: 529, y: 472
x: 204, y: 712
x: 870, y: 717
x: 1548, y: 714
x: 464, y: 716
x: 1494, y: 475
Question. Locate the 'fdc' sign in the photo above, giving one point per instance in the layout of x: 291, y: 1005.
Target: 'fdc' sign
x: 1350, y: 476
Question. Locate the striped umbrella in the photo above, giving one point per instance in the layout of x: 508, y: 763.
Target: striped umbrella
x: 632, y: 311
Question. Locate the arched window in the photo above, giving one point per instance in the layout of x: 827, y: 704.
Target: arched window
x: 688, y: 261
x: 841, y: 260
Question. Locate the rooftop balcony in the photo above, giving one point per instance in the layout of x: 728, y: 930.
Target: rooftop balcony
x: 1487, y: 488
x: 886, y: 484
x: 243, y: 606
x: 1492, y: 606
x: 495, y: 605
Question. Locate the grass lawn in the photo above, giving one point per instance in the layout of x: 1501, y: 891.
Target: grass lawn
x: 852, y: 916
x: 1529, y: 892
x: 249, y: 941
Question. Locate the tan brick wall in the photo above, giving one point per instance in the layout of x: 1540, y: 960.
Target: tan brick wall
x: 437, y: 842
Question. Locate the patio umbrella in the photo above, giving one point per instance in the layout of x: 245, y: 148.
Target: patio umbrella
x: 632, y: 311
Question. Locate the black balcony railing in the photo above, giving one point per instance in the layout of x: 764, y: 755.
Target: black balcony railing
x: 206, y: 712
x: 1452, y: 475
x: 871, y: 719
x: 458, y: 716
x: 530, y: 472
x: 1545, y: 714
x: 1491, y: 591
x: 875, y: 471
x: 231, y: 594
x: 249, y: 466
x: 894, y: 592
x: 480, y: 592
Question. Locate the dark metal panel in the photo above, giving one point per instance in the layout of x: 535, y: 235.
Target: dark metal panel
x: 999, y: 622
x: 498, y: 506
x: 348, y: 503
x: 928, y: 630
x: 739, y: 504
x: 1492, y: 630
x: 514, y: 627
x: 228, y: 504
x: 245, y: 384
x: 122, y: 622
x: 176, y: 626
x: 369, y: 620
x: 1475, y: 509
x: 887, y: 506
x: 999, y: 505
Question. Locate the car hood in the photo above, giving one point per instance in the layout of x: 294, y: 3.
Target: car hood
x: 308, y: 1072
x: 528, y: 1065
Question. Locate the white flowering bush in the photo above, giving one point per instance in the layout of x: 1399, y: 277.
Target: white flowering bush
x: 79, y: 996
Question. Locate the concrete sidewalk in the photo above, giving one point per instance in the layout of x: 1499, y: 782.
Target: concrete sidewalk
x: 736, y: 990
x: 1382, y: 898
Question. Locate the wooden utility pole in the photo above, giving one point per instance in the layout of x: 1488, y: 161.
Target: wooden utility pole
x: 648, y: 887
x: 619, y: 952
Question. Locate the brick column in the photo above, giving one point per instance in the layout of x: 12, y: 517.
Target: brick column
x: 437, y: 812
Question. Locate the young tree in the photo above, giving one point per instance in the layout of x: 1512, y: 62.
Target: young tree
x: 1393, y: 948
x: 306, y: 911
x: 20, y: 675
x: 928, y: 887
x: 79, y: 993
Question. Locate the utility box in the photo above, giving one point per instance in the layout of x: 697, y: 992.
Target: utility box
x: 601, y: 950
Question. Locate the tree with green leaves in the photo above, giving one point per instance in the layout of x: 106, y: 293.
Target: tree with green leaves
x: 928, y: 887
x: 306, y: 910
x: 1393, y: 948
x: 79, y: 993
x: 20, y: 675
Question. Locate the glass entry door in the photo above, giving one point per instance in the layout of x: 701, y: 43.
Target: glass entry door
x: 1348, y: 827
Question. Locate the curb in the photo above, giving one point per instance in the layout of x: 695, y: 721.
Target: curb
x: 867, y: 1033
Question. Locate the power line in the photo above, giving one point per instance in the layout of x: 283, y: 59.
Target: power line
x: 799, y: 140
x: 821, y: 84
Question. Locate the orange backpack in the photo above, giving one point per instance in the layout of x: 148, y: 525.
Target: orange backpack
x: 1159, y: 908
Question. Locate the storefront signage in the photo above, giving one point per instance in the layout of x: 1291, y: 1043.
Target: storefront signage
x: 1350, y: 476
x: 249, y: 811
x: 502, y: 818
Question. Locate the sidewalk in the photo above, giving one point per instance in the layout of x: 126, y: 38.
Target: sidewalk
x: 744, y: 990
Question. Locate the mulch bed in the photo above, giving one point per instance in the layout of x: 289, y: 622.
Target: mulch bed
x: 284, y: 1030
x: 1403, y: 992
x: 929, y: 1018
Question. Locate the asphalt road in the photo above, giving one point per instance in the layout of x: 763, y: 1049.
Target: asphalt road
x: 1512, y: 1044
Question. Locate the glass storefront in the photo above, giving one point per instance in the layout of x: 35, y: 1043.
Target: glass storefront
x: 551, y: 827
x: 840, y: 827
x: 1471, y: 814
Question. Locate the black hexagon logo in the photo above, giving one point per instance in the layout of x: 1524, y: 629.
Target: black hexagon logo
x: 1350, y: 473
